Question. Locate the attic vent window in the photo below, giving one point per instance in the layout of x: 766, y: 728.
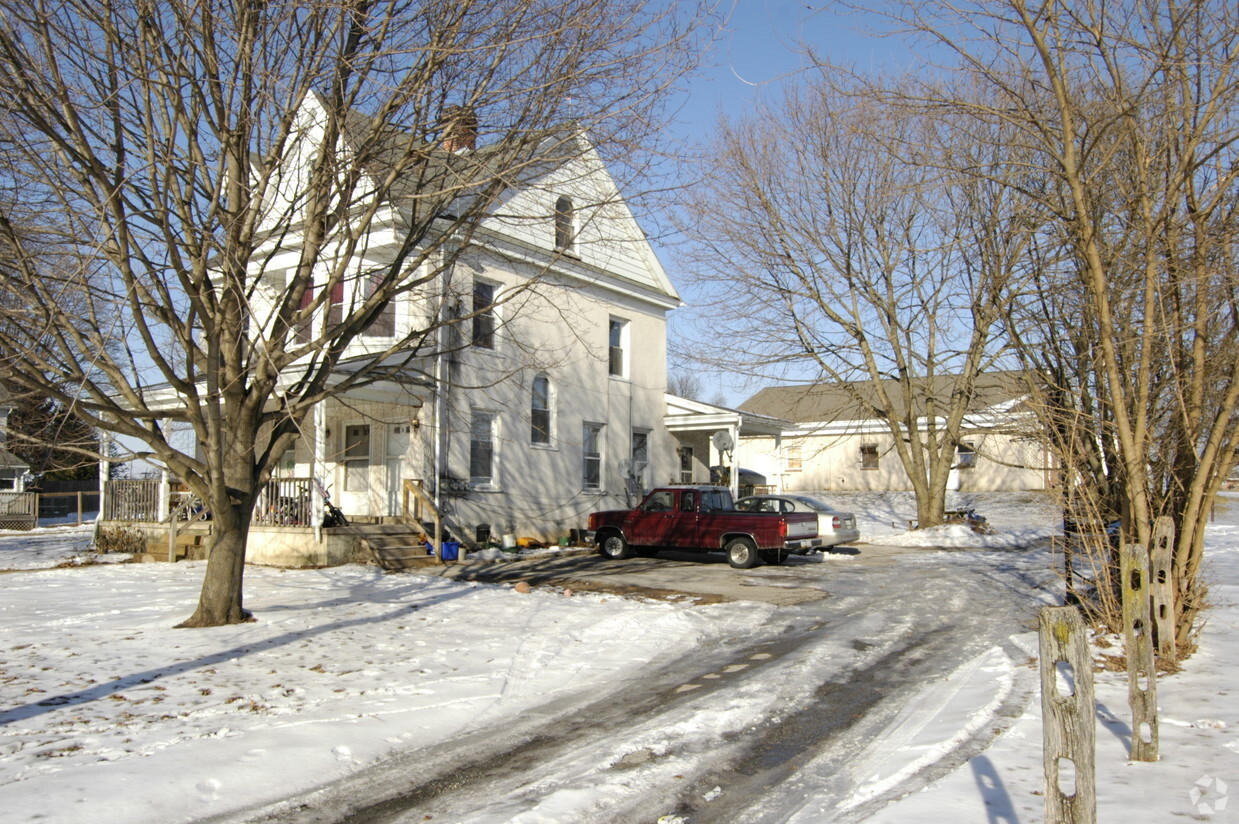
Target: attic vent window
x: 565, y: 233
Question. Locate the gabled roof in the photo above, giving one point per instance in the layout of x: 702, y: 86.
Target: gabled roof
x: 10, y: 461
x: 817, y: 403
x: 432, y: 177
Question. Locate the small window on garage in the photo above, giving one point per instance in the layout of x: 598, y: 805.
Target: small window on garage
x: 965, y: 456
x: 869, y: 456
x: 794, y: 461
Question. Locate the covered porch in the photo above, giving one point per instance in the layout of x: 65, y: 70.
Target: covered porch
x: 707, y: 436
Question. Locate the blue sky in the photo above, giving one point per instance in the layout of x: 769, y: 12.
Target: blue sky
x: 758, y: 49
x: 761, y: 47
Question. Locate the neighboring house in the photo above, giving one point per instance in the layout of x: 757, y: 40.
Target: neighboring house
x: 833, y: 445
x: 550, y: 403
x: 13, y: 470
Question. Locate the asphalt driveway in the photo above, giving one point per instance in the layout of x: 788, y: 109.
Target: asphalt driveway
x: 671, y: 575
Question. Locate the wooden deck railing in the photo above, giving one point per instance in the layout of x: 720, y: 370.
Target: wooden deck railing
x: 18, y: 510
x: 423, y: 506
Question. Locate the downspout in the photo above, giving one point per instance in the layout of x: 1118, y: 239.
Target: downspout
x: 440, y: 393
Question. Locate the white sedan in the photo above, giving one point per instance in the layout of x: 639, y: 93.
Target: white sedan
x: 833, y: 527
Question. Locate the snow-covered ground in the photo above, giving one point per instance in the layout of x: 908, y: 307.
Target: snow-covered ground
x: 109, y: 714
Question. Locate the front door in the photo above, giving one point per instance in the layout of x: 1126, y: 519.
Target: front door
x: 355, y: 494
x: 399, y: 437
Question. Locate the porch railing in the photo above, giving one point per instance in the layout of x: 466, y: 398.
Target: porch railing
x: 285, y: 502
x: 132, y: 501
x: 18, y: 510
x: 280, y: 502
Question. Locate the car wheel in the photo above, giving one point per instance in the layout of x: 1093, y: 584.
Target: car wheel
x: 741, y: 553
x: 614, y: 546
x: 774, y: 557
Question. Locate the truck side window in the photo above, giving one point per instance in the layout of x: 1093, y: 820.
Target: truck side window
x: 688, y: 501
x: 658, y: 502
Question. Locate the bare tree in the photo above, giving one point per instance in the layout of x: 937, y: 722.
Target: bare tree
x: 1126, y: 114
x: 214, y: 173
x: 840, y: 246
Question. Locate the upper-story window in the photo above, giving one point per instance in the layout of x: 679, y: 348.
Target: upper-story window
x: 305, y: 330
x: 540, y: 411
x: 384, y: 323
x: 617, y: 358
x: 305, y: 327
x: 483, y: 314
x: 335, y: 307
x: 565, y: 224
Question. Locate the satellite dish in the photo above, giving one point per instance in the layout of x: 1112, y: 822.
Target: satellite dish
x: 722, y: 441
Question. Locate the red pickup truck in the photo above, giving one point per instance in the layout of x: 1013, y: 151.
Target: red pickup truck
x: 703, y: 519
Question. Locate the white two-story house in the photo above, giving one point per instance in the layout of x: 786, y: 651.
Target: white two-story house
x: 544, y: 404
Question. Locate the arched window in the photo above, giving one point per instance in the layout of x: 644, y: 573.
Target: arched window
x: 540, y: 412
x: 564, y: 217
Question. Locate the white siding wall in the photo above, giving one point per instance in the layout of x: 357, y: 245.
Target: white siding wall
x: 1003, y: 463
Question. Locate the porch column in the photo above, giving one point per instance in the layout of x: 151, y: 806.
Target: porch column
x: 318, y: 463
x: 782, y: 462
x: 105, y: 471
x: 165, y: 496
x: 734, y: 431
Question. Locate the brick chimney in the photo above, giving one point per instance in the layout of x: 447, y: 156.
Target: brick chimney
x: 460, y: 129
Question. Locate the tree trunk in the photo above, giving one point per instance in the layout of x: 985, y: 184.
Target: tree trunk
x: 219, y: 603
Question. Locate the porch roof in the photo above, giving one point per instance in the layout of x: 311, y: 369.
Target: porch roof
x: 684, y: 415
x: 394, y: 380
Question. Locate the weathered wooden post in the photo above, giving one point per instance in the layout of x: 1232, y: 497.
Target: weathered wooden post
x: 1161, y: 581
x: 1068, y: 718
x: 1141, y: 674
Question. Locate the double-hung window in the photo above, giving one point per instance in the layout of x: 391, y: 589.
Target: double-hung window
x: 617, y: 348
x: 357, y: 457
x: 482, y: 448
x: 483, y: 314
x: 540, y: 411
x: 591, y: 455
x: 640, y: 453
x: 383, y: 325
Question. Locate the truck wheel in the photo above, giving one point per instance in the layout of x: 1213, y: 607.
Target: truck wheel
x: 741, y: 553
x: 614, y: 546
